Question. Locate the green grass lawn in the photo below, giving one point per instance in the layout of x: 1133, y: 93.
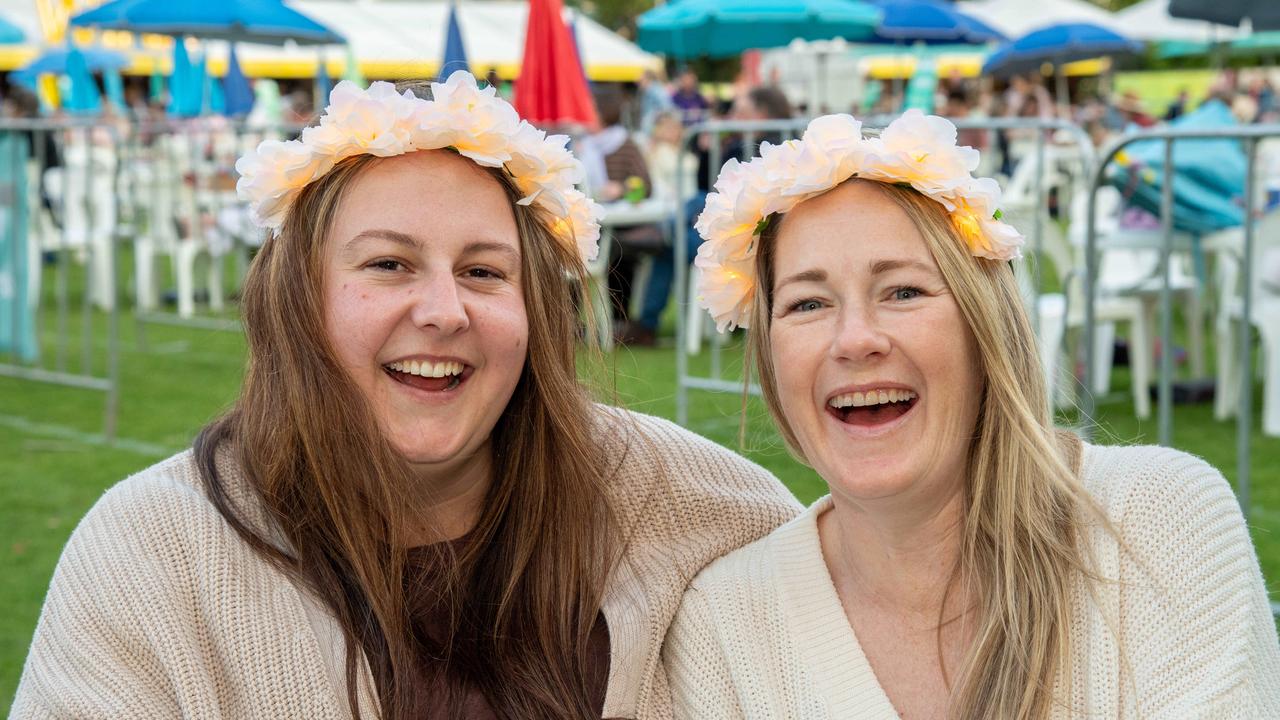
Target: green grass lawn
x: 54, y: 463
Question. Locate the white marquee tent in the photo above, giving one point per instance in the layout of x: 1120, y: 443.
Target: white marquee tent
x: 1016, y: 18
x: 389, y: 39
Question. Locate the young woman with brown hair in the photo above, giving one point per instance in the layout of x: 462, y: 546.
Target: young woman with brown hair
x: 414, y: 509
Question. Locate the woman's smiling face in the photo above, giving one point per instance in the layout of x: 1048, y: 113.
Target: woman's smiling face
x: 877, y: 371
x: 424, y: 302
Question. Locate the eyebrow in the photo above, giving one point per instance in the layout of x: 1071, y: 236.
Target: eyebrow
x: 880, y: 266
x: 394, y: 236
x: 814, y: 275
x: 884, y: 266
x: 414, y: 243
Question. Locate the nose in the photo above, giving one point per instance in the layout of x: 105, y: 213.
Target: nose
x: 859, y: 335
x: 438, y: 304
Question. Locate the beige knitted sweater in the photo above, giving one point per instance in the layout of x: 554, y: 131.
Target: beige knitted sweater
x: 158, y: 609
x: 761, y: 633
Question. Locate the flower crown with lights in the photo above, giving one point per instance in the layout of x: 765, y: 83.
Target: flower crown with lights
x: 916, y: 149
x: 461, y: 116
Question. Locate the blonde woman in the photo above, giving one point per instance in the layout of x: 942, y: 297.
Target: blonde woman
x: 970, y: 561
x: 413, y: 510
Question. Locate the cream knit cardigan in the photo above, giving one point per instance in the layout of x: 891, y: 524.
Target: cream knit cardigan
x: 761, y: 633
x: 158, y: 609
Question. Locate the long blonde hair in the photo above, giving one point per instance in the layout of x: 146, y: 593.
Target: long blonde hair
x: 1025, y: 507
x: 522, y: 596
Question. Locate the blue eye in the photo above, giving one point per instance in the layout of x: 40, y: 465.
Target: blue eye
x: 906, y: 293
x: 808, y: 305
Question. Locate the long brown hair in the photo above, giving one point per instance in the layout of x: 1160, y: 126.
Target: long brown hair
x: 1025, y: 507
x: 522, y: 595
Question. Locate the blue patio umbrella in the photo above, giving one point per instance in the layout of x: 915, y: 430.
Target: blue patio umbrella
x: 114, y: 86
x: 260, y: 21
x: 84, y: 97
x: 931, y: 21
x: 185, y: 91
x: 56, y: 60
x: 1057, y: 45
x: 217, y: 99
x: 236, y: 88
x: 722, y: 28
x: 455, y: 55
x: 10, y: 34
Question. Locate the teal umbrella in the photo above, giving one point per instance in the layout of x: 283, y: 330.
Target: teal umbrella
x: 723, y: 28
x: 83, y: 98
x: 114, y: 85
x: 262, y: 21
x: 180, y: 91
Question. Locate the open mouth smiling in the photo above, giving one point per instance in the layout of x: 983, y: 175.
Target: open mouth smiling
x: 873, y: 407
x: 443, y: 376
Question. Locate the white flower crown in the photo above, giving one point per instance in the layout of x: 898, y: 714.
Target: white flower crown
x: 379, y: 121
x: 914, y: 149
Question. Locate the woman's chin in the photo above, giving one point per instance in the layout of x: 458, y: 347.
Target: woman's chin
x: 418, y: 453
x: 868, y: 479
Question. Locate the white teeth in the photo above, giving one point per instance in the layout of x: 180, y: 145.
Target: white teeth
x: 427, y: 368
x: 871, y: 397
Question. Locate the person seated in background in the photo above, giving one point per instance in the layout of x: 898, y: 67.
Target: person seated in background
x: 666, y: 157
x: 654, y: 99
x: 760, y: 103
x: 693, y: 105
x: 616, y: 170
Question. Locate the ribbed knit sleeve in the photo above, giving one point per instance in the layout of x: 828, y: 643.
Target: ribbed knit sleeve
x: 157, y: 610
x: 682, y: 501
x: 697, y: 670
x: 1196, y: 626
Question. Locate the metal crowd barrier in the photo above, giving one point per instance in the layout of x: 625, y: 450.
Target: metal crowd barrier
x: 685, y: 381
x: 181, y: 176
x: 1249, y: 136
x: 60, y: 200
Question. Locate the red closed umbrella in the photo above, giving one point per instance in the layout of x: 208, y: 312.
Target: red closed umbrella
x: 552, y: 87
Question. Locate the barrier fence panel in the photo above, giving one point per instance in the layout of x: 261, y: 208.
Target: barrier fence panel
x: 715, y: 131
x: 181, y: 175
x: 1073, y: 137
x: 1246, y: 238
x: 58, y: 199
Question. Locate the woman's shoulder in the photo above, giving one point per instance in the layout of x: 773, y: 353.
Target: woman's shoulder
x: 635, y: 437
x: 171, y: 485
x: 154, y: 516
x: 1136, y: 485
x: 653, y: 454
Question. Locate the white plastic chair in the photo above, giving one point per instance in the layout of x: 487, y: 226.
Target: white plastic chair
x: 173, y: 226
x: 1060, y: 318
x: 83, y: 189
x: 1264, y: 315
